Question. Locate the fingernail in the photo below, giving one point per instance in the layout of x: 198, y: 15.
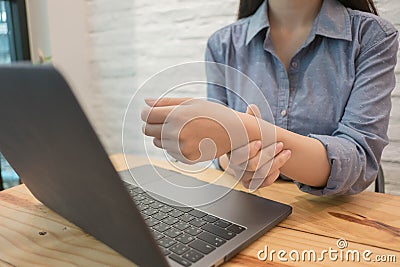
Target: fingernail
x: 258, y: 145
x: 279, y: 147
x: 150, y: 101
x: 287, y: 153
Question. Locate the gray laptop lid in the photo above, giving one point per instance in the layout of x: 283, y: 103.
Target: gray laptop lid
x: 37, y: 105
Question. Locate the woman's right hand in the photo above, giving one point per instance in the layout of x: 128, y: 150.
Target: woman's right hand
x: 256, y: 166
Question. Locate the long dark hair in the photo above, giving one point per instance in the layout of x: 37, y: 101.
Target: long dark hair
x: 249, y: 7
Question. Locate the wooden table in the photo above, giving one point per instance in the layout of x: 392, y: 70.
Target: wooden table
x: 33, y: 235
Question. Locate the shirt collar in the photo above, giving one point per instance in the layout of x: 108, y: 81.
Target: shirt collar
x: 333, y: 21
x: 258, y: 22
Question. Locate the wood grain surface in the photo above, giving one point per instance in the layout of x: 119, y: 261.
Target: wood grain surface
x: 33, y: 235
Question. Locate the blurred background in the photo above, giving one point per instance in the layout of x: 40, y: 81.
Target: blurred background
x: 107, y: 49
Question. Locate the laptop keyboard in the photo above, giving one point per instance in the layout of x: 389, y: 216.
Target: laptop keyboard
x: 184, y: 234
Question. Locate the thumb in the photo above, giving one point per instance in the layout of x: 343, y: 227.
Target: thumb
x: 253, y: 110
x: 164, y: 102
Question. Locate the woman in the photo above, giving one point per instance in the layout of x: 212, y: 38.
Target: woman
x: 326, y: 68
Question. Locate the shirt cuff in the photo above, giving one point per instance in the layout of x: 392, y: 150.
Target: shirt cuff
x: 216, y: 164
x: 345, y: 168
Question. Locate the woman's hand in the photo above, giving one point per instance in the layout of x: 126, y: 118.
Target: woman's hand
x: 256, y: 166
x: 193, y: 130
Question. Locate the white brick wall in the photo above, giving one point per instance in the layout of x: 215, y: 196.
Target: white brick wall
x: 132, y: 40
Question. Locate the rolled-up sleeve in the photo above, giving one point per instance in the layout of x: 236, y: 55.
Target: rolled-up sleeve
x: 215, y: 63
x: 355, y: 148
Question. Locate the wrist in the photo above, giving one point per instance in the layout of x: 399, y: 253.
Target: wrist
x: 258, y: 129
x: 251, y: 126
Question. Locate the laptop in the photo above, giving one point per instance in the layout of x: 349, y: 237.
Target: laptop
x: 48, y: 140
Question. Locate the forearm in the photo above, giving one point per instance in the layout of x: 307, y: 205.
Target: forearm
x: 309, y: 161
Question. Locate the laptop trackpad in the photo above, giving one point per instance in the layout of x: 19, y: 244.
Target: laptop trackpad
x: 187, y: 191
x: 145, y: 174
x: 176, y: 187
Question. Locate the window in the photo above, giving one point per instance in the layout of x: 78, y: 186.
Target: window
x: 14, y: 40
x: 14, y: 46
x: 5, y: 54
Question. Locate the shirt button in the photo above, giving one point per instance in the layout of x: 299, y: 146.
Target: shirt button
x: 284, y: 113
x: 295, y: 64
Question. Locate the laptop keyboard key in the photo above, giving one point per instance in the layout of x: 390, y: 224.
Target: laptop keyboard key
x: 172, y: 232
x: 193, y: 231
x: 210, y: 218
x: 149, y: 211
x: 157, y: 235
x: 166, y: 242
x: 142, y: 206
x: 198, y: 213
x: 138, y: 198
x: 222, y: 223
x: 211, y: 239
x: 186, y: 217
x: 161, y: 227
x: 171, y: 221
x: 193, y: 256
x: 185, y: 238
x: 179, y: 249
x: 236, y: 228
x: 160, y: 216
x: 132, y: 193
x: 147, y: 201
x: 166, y: 209
x: 156, y: 205
x: 183, y: 209
x: 180, y: 260
x: 151, y: 222
x: 201, y: 246
x: 181, y: 225
x: 176, y: 213
x: 138, y: 190
x: 197, y: 222
x: 225, y: 234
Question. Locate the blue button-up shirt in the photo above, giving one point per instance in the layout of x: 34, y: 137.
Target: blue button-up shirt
x: 337, y: 90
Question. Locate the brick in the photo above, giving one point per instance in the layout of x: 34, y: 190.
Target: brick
x: 394, y: 130
x: 392, y: 181
x: 392, y: 153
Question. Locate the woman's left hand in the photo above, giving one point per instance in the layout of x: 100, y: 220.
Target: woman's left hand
x: 263, y: 169
x: 255, y: 165
x: 193, y: 130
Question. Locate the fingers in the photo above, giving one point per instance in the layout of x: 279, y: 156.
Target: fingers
x: 261, y: 183
x: 257, y: 183
x: 278, y: 162
x: 253, y: 110
x: 270, y: 179
x: 246, y: 178
x: 157, y: 142
x: 266, y: 155
x: 164, y: 102
x: 156, y: 115
x: 242, y: 154
x: 267, y: 174
x: 175, y: 151
x: 153, y: 130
